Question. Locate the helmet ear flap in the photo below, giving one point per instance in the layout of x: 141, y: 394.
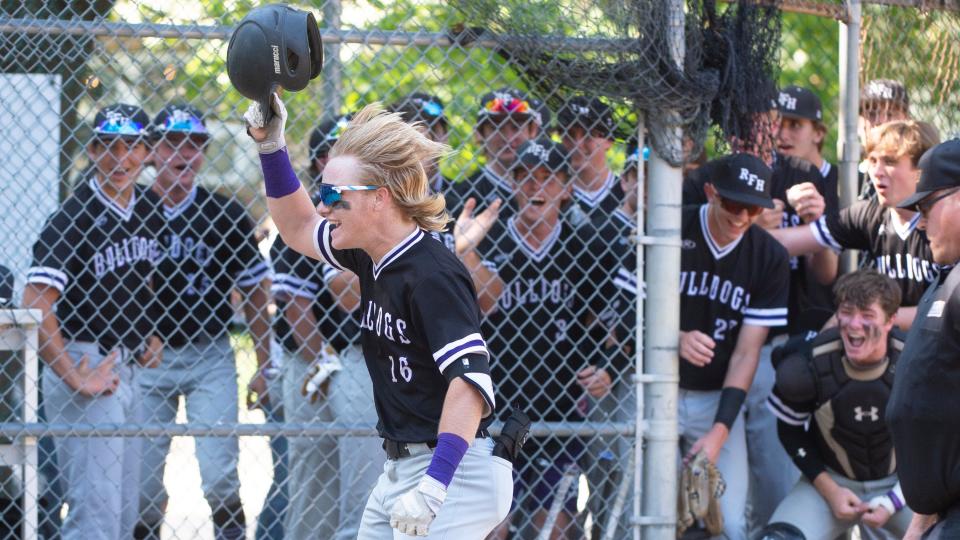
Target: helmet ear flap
x: 316, y: 46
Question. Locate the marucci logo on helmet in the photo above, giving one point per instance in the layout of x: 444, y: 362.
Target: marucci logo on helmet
x: 276, y: 59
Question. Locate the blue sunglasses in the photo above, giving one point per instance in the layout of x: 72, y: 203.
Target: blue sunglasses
x: 121, y: 126
x: 331, y: 194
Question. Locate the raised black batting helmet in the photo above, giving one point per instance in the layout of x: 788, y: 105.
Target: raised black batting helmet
x: 274, y: 46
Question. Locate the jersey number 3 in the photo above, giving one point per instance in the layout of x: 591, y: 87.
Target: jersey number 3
x: 405, y: 370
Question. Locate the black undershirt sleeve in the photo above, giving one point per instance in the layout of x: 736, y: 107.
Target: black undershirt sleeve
x: 802, y: 448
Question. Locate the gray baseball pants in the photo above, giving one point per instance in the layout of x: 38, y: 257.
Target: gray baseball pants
x: 696, y: 411
x: 478, y: 498
x: 205, y: 374
x: 807, y: 510
x: 101, y: 475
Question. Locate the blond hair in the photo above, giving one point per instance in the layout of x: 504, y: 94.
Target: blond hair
x: 392, y: 154
x: 903, y: 138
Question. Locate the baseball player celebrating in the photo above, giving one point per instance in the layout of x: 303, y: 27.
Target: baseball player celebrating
x: 420, y: 321
x: 830, y: 402
x: 889, y: 236
x: 587, y: 129
x: 94, y: 261
x: 209, y: 249
x: 734, y: 285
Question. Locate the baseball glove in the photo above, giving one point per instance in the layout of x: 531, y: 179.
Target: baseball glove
x: 698, y: 496
x: 317, y: 381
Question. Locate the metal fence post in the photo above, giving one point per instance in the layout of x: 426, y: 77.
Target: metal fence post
x: 333, y: 67
x: 662, y: 324
x: 847, y: 140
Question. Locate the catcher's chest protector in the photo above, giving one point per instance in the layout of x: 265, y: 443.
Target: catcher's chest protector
x: 849, y: 416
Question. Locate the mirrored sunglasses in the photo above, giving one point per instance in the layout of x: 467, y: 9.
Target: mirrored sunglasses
x: 735, y: 207
x: 507, y: 106
x: 330, y: 194
x: 120, y: 126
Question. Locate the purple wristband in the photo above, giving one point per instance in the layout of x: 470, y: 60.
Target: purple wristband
x: 897, y: 503
x: 278, y: 176
x: 446, y: 457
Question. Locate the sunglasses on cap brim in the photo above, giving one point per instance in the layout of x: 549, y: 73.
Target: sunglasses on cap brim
x: 330, y: 194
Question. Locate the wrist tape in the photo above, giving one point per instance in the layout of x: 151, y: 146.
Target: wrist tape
x: 446, y: 457
x: 731, y: 400
x: 279, y: 180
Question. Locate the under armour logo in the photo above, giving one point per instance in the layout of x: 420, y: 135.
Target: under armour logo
x: 873, y: 413
x: 752, y: 180
x: 787, y: 101
x: 466, y: 363
x: 801, y: 453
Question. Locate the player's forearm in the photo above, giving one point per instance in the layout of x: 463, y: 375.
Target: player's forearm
x: 797, y: 240
x: 293, y: 213
x: 255, y: 309
x: 743, y: 366
x: 51, y: 345
x: 306, y: 333
x: 487, y: 282
x: 823, y: 265
x: 345, y: 287
x: 919, y: 524
x: 825, y: 485
x: 462, y: 410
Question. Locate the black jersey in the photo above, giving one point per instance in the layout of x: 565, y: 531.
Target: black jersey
x: 295, y: 274
x: 618, y: 232
x: 209, y: 248
x: 101, y: 258
x: 900, y: 253
x: 832, y: 412
x: 602, y: 202
x: 541, y: 329
x: 723, y: 289
x: 420, y: 329
x: 484, y: 186
x: 922, y: 413
x: 805, y: 292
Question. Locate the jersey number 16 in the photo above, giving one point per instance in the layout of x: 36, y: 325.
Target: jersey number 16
x: 405, y: 370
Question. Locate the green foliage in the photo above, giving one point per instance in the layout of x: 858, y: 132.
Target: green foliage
x: 810, y: 58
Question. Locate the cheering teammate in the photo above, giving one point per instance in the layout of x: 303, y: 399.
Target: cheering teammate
x: 507, y: 118
x: 209, y: 249
x: 888, y: 235
x: 830, y: 402
x: 420, y: 321
x: 552, y: 275
x: 587, y: 129
x: 802, y: 132
x: 94, y: 261
x: 733, y: 288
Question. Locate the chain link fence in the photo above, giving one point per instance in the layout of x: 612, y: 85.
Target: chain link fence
x: 185, y: 449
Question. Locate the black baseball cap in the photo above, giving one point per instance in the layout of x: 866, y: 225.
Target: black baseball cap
x: 591, y: 114
x: 421, y: 107
x: 325, y: 135
x: 121, y: 121
x: 799, y: 102
x: 940, y: 169
x: 744, y: 178
x: 885, y: 90
x: 180, y: 118
x: 542, y: 152
x: 507, y: 102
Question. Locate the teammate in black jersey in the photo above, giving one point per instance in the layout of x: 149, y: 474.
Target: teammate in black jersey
x: 734, y: 286
x: 802, y: 132
x: 587, y: 129
x: 209, y: 250
x: 889, y: 236
x: 507, y: 118
x: 428, y: 110
x: 553, y: 277
x: 830, y: 401
x: 420, y: 322
x: 94, y: 260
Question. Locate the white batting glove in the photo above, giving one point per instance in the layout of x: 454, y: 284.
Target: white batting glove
x: 273, y: 140
x: 416, y: 509
x: 319, y: 373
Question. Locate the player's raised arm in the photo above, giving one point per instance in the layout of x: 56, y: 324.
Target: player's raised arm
x: 288, y: 202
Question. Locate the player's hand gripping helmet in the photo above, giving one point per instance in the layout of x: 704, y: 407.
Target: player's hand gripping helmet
x: 274, y: 46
